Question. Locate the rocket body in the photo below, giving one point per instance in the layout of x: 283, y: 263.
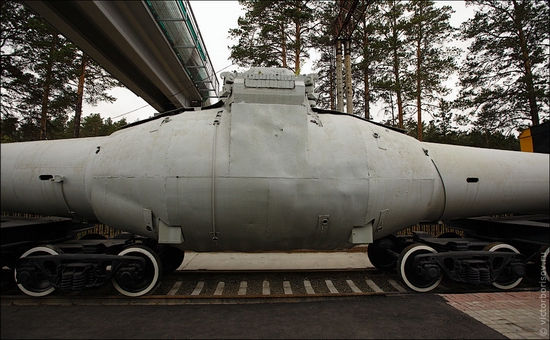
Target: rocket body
x: 266, y: 172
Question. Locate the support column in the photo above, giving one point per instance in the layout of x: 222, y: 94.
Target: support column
x: 339, y: 82
x: 349, y: 89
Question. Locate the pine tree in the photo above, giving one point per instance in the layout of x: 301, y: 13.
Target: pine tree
x: 370, y: 63
x: 322, y: 40
x: 43, y: 78
x: 392, y: 78
x: 92, y: 87
x: 36, y: 69
x: 272, y: 34
x: 428, y: 30
x: 505, y: 75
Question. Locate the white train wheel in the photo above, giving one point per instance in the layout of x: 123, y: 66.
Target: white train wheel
x: 39, y: 285
x: 407, y: 272
x: 147, y: 279
x: 504, y: 280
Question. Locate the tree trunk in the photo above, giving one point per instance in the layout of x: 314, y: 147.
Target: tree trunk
x: 418, y: 79
x: 531, y: 96
x: 297, y: 51
x: 339, y: 80
x: 80, y: 96
x: 46, y: 90
x: 366, y: 70
x: 396, y: 74
x: 398, y: 88
x: 283, y: 45
x: 418, y: 93
x: 331, y: 82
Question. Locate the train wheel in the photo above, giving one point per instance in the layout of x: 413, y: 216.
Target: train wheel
x: 35, y: 283
x: 378, y: 255
x: 505, y: 280
x: 170, y: 257
x: 408, y: 272
x: 148, y: 278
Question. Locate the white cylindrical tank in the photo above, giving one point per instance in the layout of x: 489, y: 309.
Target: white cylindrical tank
x: 265, y: 171
x: 48, y: 177
x: 487, y: 182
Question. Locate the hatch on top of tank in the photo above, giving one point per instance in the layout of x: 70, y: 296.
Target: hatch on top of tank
x: 269, y: 86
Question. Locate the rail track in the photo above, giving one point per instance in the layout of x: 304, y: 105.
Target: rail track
x: 210, y: 287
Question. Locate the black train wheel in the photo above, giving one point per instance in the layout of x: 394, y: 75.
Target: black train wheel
x: 147, y: 279
x: 506, y: 279
x: 35, y: 283
x: 408, y: 272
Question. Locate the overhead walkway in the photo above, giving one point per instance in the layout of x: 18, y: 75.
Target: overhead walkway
x: 153, y: 47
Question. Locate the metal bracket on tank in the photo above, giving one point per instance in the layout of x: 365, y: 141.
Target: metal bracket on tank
x: 59, y: 193
x: 218, y: 118
x: 148, y: 219
x: 171, y: 234
x: 362, y: 234
x: 322, y: 224
x: 381, y: 219
x: 379, y: 141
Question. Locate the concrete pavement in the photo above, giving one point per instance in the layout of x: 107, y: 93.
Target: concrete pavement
x: 298, y: 260
x: 515, y: 315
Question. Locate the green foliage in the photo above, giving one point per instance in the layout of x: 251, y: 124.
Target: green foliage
x: 321, y: 40
x: 400, y: 53
x: 402, y: 58
x: 93, y: 125
x: 40, y: 74
x: 475, y: 137
x: 390, y: 28
x: 15, y: 130
x: 35, y: 72
x: 505, y: 75
x: 273, y: 34
x: 436, y: 133
x: 433, y: 61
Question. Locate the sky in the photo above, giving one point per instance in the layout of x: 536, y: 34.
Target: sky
x: 214, y: 19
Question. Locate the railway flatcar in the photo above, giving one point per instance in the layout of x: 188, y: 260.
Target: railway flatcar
x: 263, y: 170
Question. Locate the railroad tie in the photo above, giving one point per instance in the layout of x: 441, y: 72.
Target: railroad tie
x: 309, y: 288
x: 219, y: 288
x: 374, y: 286
x: 331, y: 287
x: 198, y: 288
x: 175, y: 288
x: 397, y: 286
x: 353, y: 287
x: 242, y: 288
x: 286, y: 287
x: 265, y: 288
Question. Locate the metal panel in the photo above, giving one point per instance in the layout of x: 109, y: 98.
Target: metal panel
x: 23, y: 188
x: 506, y: 180
x: 268, y: 140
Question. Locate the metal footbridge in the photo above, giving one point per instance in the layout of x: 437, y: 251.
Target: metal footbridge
x: 153, y: 47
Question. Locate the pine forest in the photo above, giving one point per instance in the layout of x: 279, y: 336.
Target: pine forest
x: 406, y: 61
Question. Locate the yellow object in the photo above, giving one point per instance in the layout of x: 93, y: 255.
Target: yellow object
x: 526, y: 141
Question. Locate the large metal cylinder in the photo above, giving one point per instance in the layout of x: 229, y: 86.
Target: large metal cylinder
x: 253, y: 175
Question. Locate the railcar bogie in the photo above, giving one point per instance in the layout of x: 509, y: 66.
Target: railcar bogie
x: 485, y: 256
x: 134, y: 264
